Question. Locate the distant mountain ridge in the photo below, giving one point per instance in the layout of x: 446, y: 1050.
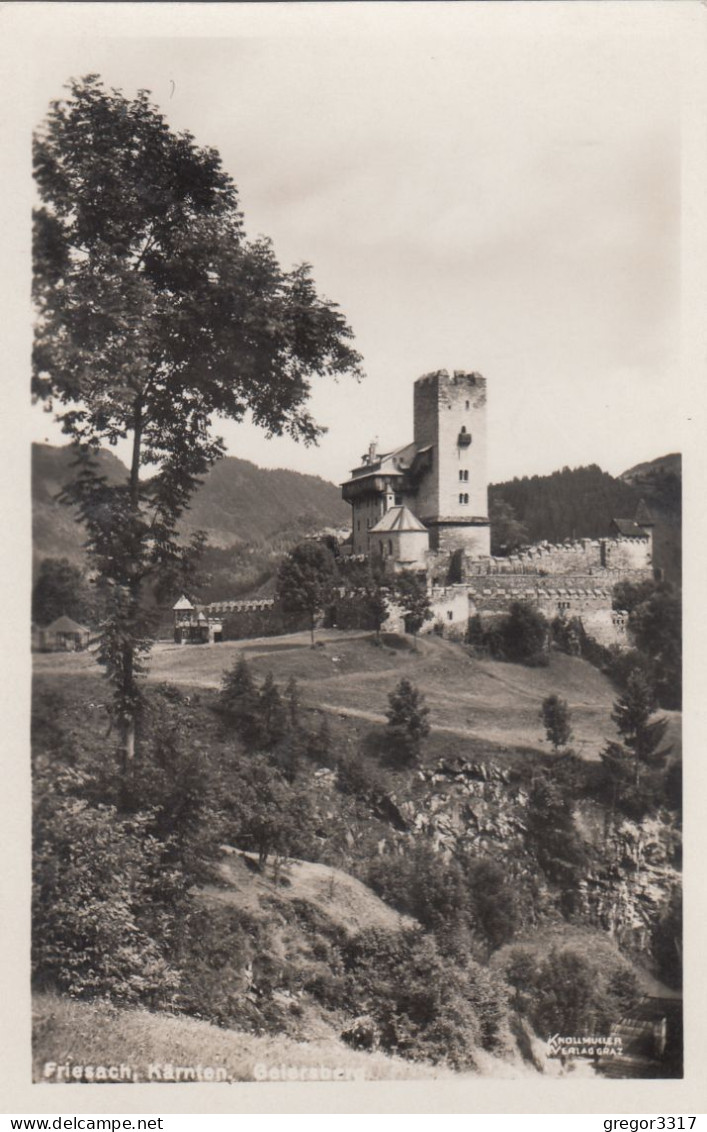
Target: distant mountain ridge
x: 238, y: 503
x: 242, y: 506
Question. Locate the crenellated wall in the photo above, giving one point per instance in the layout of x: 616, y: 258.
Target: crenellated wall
x: 583, y: 556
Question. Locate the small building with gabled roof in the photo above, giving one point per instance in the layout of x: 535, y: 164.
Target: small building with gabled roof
x: 192, y: 626
x: 65, y: 635
x: 399, y: 539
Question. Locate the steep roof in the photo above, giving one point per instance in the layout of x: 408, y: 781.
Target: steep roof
x: 65, y: 624
x: 643, y: 515
x: 398, y: 519
x: 629, y: 528
x: 183, y: 603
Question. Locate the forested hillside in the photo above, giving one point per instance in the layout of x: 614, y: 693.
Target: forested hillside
x: 240, y: 505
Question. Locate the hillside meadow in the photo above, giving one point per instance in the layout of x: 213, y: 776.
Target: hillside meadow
x: 350, y: 674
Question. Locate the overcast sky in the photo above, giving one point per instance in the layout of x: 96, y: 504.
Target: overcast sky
x: 492, y: 187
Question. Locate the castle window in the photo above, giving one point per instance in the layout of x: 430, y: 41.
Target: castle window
x: 398, y: 500
x: 466, y: 406
x: 464, y: 474
x: 464, y: 438
x: 390, y: 546
x: 450, y: 615
x: 463, y: 497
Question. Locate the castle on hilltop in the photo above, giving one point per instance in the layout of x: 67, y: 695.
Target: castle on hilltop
x: 425, y: 507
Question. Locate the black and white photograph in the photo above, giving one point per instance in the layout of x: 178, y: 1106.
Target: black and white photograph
x: 358, y: 403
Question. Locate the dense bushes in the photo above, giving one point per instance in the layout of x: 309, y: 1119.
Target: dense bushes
x: 521, y: 636
x: 424, y: 1005
x: 465, y: 901
x: 101, y: 898
x: 569, y: 991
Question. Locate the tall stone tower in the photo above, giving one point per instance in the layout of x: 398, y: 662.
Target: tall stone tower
x: 450, y: 438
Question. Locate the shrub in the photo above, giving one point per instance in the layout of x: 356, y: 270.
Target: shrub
x: 229, y: 967
x: 98, y: 876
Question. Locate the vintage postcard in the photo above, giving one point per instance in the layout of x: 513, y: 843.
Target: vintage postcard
x: 357, y: 349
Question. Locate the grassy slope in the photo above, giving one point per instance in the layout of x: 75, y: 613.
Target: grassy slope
x: 99, y: 1034
x: 469, y: 699
x: 341, y: 898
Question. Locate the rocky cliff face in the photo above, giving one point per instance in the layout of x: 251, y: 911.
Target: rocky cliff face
x: 632, y: 866
x: 627, y: 893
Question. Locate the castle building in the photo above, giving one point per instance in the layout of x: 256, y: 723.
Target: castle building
x: 440, y: 478
x: 424, y: 507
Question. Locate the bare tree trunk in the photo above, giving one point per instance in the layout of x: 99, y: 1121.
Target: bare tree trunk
x: 128, y: 688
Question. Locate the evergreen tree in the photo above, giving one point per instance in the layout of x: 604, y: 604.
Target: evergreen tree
x: 238, y: 701
x: 641, y: 735
x: 292, y: 699
x: 407, y: 720
x: 273, y: 716
x: 555, y: 714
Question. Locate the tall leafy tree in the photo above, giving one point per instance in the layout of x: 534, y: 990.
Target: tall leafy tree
x: 524, y: 633
x: 60, y: 588
x: 412, y: 597
x: 306, y: 579
x: 155, y: 315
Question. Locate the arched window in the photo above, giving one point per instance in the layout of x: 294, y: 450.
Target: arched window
x: 390, y: 546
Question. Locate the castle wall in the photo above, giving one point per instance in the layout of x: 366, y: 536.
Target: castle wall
x: 629, y: 553
x: 583, y: 596
x: 450, y: 611
x: 583, y: 556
